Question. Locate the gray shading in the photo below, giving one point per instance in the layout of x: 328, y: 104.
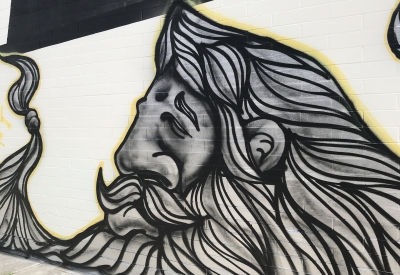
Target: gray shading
x: 19, y: 228
x: 245, y: 157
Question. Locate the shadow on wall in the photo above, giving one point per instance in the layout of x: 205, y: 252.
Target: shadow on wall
x: 36, y: 24
x: 242, y: 152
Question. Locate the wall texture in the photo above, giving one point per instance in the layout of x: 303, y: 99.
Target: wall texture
x: 229, y: 137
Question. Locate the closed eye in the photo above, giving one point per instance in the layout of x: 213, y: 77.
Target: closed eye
x: 184, y: 108
x: 176, y: 127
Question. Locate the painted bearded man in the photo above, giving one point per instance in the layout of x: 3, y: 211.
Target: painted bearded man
x: 245, y: 157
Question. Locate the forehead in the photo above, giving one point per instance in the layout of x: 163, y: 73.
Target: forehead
x: 170, y: 83
x: 166, y: 81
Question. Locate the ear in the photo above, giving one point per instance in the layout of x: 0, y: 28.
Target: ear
x: 265, y: 142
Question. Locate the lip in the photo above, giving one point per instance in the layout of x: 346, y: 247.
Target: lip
x: 173, y: 177
x: 127, y: 190
x: 142, y: 176
x: 150, y: 177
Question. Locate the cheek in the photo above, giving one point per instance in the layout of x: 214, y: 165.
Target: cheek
x: 196, y: 150
x: 205, y: 139
x: 199, y: 155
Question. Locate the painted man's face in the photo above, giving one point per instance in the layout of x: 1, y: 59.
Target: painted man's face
x: 173, y: 134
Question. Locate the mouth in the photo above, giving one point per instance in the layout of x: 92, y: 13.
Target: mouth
x: 127, y: 191
x: 170, y: 175
x: 144, y: 193
x: 124, y: 192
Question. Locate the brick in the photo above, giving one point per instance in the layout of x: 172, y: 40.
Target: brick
x: 346, y: 55
x: 356, y: 38
x: 385, y: 118
x: 375, y: 20
x: 318, y: 43
x: 370, y: 69
x: 290, y: 31
x: 260, y: 7
x: 333, y: 26
x: 354, y: 7
x: 301, y: 15
x: 385, y: 85
x: 376, y: 52
x: 307, y: 3
x: 236, y: 11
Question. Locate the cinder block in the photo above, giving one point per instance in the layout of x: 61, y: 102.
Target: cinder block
x: 354, y: 7
x: 370, y: 69
x: 356, y: 38
x: 307, y: 3
x: 375, y: 20
x: 301, y: 15
x: 233, y: 11
x: 332, y: 26
x: 258, y: 8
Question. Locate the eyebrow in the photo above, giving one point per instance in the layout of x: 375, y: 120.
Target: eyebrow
x: 184, y: 108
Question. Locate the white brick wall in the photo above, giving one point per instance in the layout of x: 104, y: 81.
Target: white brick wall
x: 89, y: 87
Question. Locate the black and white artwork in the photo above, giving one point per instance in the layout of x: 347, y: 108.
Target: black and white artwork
x: 245, y: 157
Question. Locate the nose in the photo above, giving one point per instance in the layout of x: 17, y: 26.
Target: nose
x: 140, y: 152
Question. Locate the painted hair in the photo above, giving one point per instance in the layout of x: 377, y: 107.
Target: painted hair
x: 328, y: 206
x: 19, y: 229
x: 334, y: 198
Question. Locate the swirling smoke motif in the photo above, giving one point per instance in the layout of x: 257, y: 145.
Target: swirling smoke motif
x: 289, y: 179
x: 19, y: 229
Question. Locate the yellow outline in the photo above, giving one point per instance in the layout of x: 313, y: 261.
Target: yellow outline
x: 324, y: 60
x: 1, y: 136
x: 52, y: 232
x: 3, y: 119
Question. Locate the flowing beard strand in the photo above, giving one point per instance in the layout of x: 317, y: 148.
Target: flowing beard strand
x: 147, y: 196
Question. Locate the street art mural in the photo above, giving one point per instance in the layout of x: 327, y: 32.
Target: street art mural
x: 235, y: 134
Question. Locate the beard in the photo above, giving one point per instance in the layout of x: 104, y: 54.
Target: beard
x: 143, y: 204
x: 163, y: 230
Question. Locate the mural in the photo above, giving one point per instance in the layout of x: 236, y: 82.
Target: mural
x: 236, y: 133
